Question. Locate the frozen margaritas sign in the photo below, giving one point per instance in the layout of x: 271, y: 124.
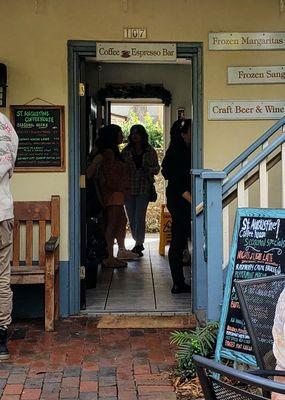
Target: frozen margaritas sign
x: 247, y: 41
x: 138, y: 52
x: 245, y: 109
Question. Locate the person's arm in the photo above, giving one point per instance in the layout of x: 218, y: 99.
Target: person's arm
x: 152, y: 165
x: 93, y: 167
x: 278, y: 332
x: 8, y: 147
x: 167, y: 169
x: 187, y: 196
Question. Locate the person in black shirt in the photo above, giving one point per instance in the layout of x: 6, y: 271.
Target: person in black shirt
x: 176, y: 167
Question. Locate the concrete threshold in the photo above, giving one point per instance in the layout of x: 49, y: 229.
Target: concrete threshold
x: 145, y: 321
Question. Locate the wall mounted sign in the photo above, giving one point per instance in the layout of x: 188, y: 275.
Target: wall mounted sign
x: 41, y: 137
x: 246, y: 40
x: 245, y: 109
x: 252, y: 75
x: 258, y: 250
x: 135, y: 33
x: 138, y: 52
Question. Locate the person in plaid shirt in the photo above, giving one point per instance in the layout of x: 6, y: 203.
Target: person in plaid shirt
x: 142, y: 162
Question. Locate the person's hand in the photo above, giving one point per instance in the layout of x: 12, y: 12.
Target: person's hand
x: 187, y: 196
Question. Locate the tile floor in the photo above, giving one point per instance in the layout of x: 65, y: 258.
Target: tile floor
x: 143, y: 287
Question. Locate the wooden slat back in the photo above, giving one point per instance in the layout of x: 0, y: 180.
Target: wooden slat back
x: 45, y: 214
x: 55, y: 219
x: 29, y: 242
x: 42, y: 240
x: 32, y: 210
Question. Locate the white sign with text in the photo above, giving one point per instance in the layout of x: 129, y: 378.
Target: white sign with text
x: 245, y: 109
x: 251, y: 75
x: 246, y: 40
x: 138, y: 52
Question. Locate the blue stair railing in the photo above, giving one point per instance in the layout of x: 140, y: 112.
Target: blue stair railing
x: 216, y: 196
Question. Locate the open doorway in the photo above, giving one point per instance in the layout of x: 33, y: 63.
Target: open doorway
x: 144, y: 286
x: 154, y: 116
x: 184, y: 52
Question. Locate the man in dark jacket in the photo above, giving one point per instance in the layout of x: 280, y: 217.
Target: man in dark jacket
x: 176, y: 169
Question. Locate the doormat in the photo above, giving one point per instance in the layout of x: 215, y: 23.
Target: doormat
x: 146, y: 321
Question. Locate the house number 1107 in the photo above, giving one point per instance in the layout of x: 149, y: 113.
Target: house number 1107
x: 134, y: 33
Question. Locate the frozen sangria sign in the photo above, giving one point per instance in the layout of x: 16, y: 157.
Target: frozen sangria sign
x: 138, y: 52
x: 247, y: 41
x: 245, y: 109
x: 253, y: 75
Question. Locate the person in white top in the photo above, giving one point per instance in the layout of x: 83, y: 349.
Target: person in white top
x: 278, y: 332
x: 8, y: 153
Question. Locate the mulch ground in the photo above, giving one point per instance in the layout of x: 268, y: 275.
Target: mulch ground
x: 81, y: 361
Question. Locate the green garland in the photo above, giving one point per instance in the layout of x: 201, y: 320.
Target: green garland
x: 134, y: 92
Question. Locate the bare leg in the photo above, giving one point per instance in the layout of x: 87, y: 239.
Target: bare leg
x: 110, y: 231
x: 113, y: 214
x: 121, y: 227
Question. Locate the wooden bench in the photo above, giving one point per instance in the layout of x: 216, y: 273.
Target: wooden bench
x: 34, y: 221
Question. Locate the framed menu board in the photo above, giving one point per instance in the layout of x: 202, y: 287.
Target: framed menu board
x: 41, y: 137
x: 258, y: 250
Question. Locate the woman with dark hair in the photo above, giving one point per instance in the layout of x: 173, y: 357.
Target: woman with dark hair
x: 176, y: 167
x: 142, y: 162
x: 114, y: 187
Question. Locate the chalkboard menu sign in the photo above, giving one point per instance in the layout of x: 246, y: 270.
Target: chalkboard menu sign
x: 41, y: 137
x: 258, y: 250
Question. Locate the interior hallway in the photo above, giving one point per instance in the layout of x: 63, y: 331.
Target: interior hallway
x: 143, y: 287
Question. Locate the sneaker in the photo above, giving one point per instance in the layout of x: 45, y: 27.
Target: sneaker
x: 124, y: 254
x: 4, y: 352
x: 138, y: 249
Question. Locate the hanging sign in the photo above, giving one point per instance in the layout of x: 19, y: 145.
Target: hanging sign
x: 245, y: 109
x: 138, y: 52
x: 252, y: 75
x: 247, y: 41
x: 258, y: 250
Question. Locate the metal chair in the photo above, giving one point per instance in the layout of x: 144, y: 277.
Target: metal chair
x: 258, y: 299
x: 240, y: 385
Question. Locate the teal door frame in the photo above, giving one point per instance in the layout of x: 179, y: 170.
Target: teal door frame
x: 78, y: 50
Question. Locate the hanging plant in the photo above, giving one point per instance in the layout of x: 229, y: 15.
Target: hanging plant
x: 115, y: 91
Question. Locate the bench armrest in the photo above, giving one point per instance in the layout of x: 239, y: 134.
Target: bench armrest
x: 52, y: 244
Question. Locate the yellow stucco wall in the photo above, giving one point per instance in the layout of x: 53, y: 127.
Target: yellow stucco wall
x: 33, y: 44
